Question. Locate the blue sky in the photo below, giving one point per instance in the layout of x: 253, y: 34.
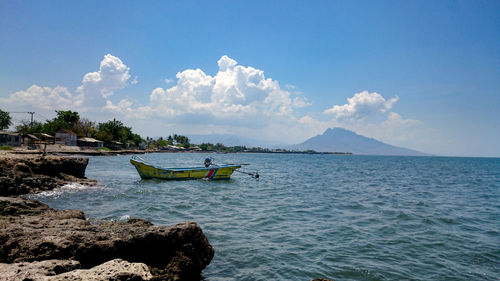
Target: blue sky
x: 419, y: 74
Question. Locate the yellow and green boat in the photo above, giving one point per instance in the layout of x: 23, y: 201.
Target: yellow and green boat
x: 212, y: 172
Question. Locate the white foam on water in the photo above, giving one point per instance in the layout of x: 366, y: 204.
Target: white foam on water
x: 124, y: 218
x: 67, y: 188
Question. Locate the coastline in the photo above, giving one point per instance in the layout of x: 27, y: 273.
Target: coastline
x: 39, y: 242
x: 68, y: 150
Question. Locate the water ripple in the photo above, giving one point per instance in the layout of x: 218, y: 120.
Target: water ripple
x: 319, y: 216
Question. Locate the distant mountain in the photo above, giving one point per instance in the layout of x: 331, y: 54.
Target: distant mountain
x: 342, y: 140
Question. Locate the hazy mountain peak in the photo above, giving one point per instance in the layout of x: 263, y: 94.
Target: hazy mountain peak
x: 343, y: 140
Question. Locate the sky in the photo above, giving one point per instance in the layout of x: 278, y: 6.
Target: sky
x: 423, y: 75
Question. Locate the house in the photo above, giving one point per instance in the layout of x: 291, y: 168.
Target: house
x: 45, y: 138
x: 10, y: 139
x: 115, y: 145
x: 90, y: 142
x: 30, y: 140
x: 66, y: 137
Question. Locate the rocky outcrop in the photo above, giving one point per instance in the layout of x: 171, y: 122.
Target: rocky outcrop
x: 32, y: 231
x: 40, y: 243
x: 59, y: 270
x: 33, y: 174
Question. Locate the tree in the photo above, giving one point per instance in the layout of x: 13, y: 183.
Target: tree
x: 84, y: 128
x: 66, y: 119
x: 27, y: 127
x: 5, y: 120
x: 69, y: 117
x: 114, y: 130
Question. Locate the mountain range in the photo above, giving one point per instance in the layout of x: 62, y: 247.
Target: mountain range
x: 332, y: 140
x: 342, y: 140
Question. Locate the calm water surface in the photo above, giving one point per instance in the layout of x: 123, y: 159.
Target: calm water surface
x: 317, y: 216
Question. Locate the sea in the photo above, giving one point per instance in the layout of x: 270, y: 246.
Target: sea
x: 341, y: 217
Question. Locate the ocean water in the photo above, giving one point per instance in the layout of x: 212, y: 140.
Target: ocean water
x: 317, y: 216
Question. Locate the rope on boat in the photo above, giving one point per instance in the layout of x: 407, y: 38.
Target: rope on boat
x: 140, y: 158
x: 256, y: 175
x: 253, y: 175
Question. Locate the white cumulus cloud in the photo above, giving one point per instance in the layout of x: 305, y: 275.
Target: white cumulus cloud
x: 235, y: 96
x: 237, y: 100
x: 93, y: 93
x: 112, y: 75
x: 44, y: 98
x: 362, y: 105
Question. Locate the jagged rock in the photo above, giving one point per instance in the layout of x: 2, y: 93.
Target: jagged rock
x: 25, y: 174
x: 31, y: 231
x: 59, y: 270
x: 36, y: 270
x: 116, y: 269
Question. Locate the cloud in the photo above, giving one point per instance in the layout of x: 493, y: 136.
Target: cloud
x: 299, y: 102
x: 97, y: 86
x: 44, y: 98
x: 93, y: 93
x: 238, y: 99
x: 235, y: 96
x: 362, y: 105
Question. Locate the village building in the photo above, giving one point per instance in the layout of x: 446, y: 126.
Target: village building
x: 10, y: 139
x: 66, y: 137
x: 115, y: 145
x: 30, y: 140
x: 45, y: 138
x: 90, y: 142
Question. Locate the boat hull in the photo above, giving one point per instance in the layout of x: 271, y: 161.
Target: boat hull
x: 147, y: 171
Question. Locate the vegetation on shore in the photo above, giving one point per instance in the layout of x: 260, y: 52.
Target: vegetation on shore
x: 110, y: 131
x: 114, y: 131
x: 5, y: 120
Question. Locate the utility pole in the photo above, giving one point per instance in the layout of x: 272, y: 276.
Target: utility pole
x: 29, y: 112
x: 32, y: 113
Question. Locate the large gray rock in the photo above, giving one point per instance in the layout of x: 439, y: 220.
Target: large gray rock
x: 31, y: 231
x: 32, y: 174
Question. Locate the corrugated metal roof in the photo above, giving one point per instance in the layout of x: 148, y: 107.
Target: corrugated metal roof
x: 89, y: 140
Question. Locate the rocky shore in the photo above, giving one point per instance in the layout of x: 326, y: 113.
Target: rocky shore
x: 40, y: 243
x: 23, y: 174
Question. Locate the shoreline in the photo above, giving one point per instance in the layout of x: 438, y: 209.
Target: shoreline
x: 91, y: 152
x: 39, y: 242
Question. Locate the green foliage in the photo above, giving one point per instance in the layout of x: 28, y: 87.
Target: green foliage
x: 84, y: 128
x: 177, y: 140
x: 111, y: 131
x: 219, y: 147
x: 65, y: 120
x: 30, y: 128
x: 5, y: 147
x: 69, y: 117
x: 5, y: 120
x: 114, y: 130
x: 104, y: 149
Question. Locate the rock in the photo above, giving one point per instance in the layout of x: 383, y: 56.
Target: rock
x: 59, y: 270
x: 116, y: 269
x: 31, y: 231
x: 36, y: 270
x: 30, y: 174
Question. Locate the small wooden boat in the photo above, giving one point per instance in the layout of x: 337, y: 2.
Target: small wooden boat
x: 212, y: 172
